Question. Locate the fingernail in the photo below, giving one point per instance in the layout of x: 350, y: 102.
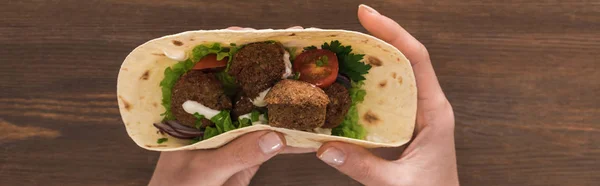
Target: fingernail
x: 368, y: 9
x: 270, y: 143
x: 333, y: 156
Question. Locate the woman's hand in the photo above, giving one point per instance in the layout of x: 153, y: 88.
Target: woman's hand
x: 233, y: 164
x: 431, y: 158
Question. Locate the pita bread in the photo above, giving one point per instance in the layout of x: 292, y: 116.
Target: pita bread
x: 388, y: 112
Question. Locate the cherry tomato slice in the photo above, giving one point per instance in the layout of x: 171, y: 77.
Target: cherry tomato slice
x: 210, y: 61
x: 319, y: 67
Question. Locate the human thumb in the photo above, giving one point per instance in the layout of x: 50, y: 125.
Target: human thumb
x: 246, y: 151
x: 357, y: 162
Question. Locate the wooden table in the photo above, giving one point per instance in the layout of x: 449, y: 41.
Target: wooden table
x: 523, y: 78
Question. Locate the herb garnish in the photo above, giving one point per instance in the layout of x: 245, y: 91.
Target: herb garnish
x: 350, y: 63
x: 162, y: 140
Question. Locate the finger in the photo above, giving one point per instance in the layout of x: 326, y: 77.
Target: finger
x: 247, y: 151
x: 239, y: 28
x: 234, y: 28
x: 430, y: 93
x: 242, y: 178
x: 295, y: 27
x: 358, y: 163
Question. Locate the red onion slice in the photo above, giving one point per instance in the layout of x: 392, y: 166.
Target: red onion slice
x: 343, y: 80
x: 172, y: 132
x: 188, y: 131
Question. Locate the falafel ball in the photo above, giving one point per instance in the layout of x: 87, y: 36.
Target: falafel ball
x: 201, y: 87
x: 242, y: 105
x: 258, y: 66
x: 339, y: 103
x: 296, y: 105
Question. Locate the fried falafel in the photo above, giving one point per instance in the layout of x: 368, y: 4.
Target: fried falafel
x: 296, y: 105
x: 201, y: 87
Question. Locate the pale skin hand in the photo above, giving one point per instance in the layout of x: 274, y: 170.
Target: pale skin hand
x: 430, y: 160
x: 233, y: 164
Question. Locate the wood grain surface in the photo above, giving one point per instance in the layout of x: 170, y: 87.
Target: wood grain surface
x: 523, y: 77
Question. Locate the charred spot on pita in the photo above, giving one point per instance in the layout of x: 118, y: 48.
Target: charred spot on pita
x: 146, y: 75
x: 126, y: 104
x: 177, y: 43
x: 371, y: 118
x: 374, y: 61
x: 383, y: 83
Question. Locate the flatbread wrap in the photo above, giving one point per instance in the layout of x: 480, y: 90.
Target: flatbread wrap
x: 202, y: 89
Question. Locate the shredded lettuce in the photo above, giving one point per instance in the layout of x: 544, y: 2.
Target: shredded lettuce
x: 223, y: 124
x: 350, y: 127
x: 244, y: 123
x: 199, y: 118
x: 173, y: 73
x: 162, y: 140
x: 202, y: 50
x: 254, y: 115
x: 228, y: 82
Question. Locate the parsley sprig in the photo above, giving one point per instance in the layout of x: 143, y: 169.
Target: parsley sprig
x: 350, y: 63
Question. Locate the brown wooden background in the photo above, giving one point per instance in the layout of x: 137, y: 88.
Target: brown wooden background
x: 523, y: 77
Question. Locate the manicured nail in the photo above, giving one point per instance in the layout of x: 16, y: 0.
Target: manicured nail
x: 333, y: 156
x: 368, y: 9
x: 270, y: 143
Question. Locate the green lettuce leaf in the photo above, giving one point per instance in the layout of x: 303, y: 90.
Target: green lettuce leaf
x: 202, y: 50
x: 199, y: 118
x: 223, y: 121
x: 210, y: 132
x: 254, y: 115
x: 228, y: 82
x: 350, y: 126
x: 223, y: 124
x: 244, y: 123
x: 162, y: 140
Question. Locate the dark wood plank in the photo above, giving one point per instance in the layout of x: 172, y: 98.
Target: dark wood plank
x: 523, y: 77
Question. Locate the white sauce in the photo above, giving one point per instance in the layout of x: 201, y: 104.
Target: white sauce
x: 259, y: 101
x: 288, y: 66
x: 262, y: 118
x: 177, y: 55
x: 248, y: 116
x: 319, y: 130
x: 193, y: 107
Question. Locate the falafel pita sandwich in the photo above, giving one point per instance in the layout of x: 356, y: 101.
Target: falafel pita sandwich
x: 202, y: 89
